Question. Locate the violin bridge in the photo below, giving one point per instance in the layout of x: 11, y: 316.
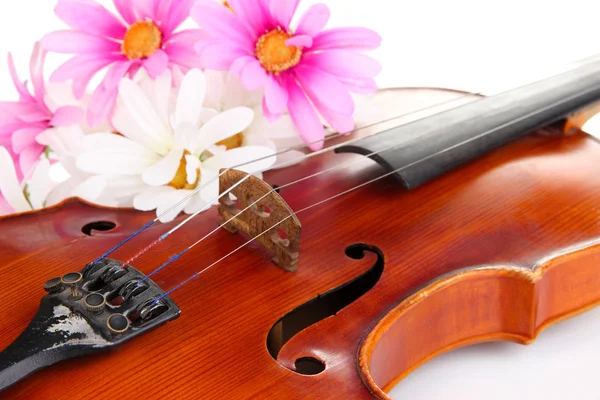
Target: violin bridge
x: 263, y: 214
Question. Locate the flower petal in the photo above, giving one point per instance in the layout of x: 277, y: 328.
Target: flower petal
x: 28, y: 158
x: 142, y: 111
x: 108, y: 153
x: 160, y: 95
x: 123, y: 188
x: 108, y: 162
x: 183, y: 55
x: 67, y: 116
x: 128, y: 126
x: 254, y: 75
x: 102, y: 103
x: 283, y: 128
x: 5, y: 208
x: 156, y: 64
x: 82, y: 69
x: 115, y: 73
x: 270, y: 116
x: 283, y: 11
x: 221, y: 23
x: 215, y: 84
x: 187, y: 37
x: 23, y: 138
x: 172, y: 205
x: 235, y: 94
x: 78, y: 42
x: 238, y: 65
x: 164, y: 170
x: 10, y: 188
x: 209, y: 183
x: 186, y: 136
x: 249, y: 159
x: 341, y: 123
x: 36, y: 70
x: 20, y: 86
x: 59, y: 95
x: 115, y: 143
x: 313, y: 20
x: 90, y: 189
x: 347, y: 38
x: 40, y: 184
x: 191, y: 98
x: 66, y: 142
x: 224, y: 125
x: 276, y: 96
x: 192, y: 167
x: 361, y: 86
x: 207, y: 114
x: 195, y: 204
x: 144, y: 9
x: 178, y: 12
x: 300, y: 41
x: 325, y: 88
x: 90, y: 17
x: 219, y: 54
x: 344, y: 63
x: 126, y: 10
x: 305, y: 117
x: 150, y: 198
x: 251, y: 15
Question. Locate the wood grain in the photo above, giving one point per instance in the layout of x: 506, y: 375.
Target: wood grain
x: 519, y: 207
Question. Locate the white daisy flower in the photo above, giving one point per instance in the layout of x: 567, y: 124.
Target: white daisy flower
x: 106, y: 190
x: 225, y: 91
x: 168, y: 141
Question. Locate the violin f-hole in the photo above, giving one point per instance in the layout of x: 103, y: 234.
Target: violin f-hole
x: 323, y: 306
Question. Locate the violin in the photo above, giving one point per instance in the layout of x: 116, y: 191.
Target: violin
x: 460, y: 219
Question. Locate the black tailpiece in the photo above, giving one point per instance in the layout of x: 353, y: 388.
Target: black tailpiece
x: 97, y: 309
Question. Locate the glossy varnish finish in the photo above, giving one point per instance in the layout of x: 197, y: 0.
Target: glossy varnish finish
x: 530, y: 201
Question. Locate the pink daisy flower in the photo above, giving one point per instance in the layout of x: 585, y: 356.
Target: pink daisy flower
x: 300, y: 69
x: 142, y: 36
x: 21, y: 122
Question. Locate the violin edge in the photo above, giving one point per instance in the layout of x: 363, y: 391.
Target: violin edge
x: 548, y: 306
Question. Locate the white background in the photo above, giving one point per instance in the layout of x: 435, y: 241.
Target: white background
x: 481, y: 46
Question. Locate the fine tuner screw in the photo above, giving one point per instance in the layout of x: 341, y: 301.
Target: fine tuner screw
x: 117, y: 323
x: 54, y: 285
x: 95, y: 303
x: 73, y: 280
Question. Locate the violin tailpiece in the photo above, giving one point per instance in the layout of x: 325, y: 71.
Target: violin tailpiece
x: 96, y: 309
x: 268, y: 218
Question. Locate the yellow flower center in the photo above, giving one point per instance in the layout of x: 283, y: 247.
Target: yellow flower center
x: 180, y: 179
x: 142, y: 39
x: 274, y: 55
x: 232, y: 142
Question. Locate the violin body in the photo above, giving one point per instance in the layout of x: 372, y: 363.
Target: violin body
x: 387, y: 278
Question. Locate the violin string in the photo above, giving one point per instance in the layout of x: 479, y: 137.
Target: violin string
x: 198, y: 189
x: 573, y: 64
x: 295, y: 213
x: 161, y: 238
x: 282, y: 165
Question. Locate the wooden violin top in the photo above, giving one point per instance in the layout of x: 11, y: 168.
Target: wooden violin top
x: 494, y: 250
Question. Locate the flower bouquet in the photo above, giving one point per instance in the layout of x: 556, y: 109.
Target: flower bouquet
x: 173, y: 106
